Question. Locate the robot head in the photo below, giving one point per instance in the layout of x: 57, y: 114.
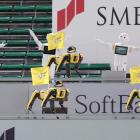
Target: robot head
x: 58, y: 84
x: 124, y: 37
x: 71, y: 49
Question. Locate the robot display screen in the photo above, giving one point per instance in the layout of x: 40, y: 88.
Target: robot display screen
x: 121, y: 50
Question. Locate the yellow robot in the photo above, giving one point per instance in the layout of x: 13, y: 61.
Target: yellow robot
x: 56, y: 93
x: 133, y: 94
x: 71, y: 57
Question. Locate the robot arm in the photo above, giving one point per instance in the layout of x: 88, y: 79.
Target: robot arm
x: 133, y: 48
x: 39, y: 44
x: 3, y: 44
x: 35, y: 95
x: 104, y: 43
x: 133, y: 94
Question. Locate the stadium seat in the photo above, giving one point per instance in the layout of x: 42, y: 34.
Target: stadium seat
x: 99, y: 66
x: 42, y: 30
x: 93, y: 76
x: 44, y: 19
x: 45, y: 8
x: 7, y: 8
x: 4, y: 19
x: 21, y: 19
x: 1, y: 54
x: 12, y: 67
x: 14, y: 54
x: 3, y: 31
x: 83, y: 66
x: 33, y: 44
x: 24, y: 8
x: 19, y: 31
x: 26, y: 67
x: 34, y: 54
x: 17, y: 43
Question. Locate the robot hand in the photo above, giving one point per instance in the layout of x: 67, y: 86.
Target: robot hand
x: 3, y: 44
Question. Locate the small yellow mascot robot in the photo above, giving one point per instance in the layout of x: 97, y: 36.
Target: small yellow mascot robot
x: 56, y: 93
x: 71, y: 57
x: 133, y: 94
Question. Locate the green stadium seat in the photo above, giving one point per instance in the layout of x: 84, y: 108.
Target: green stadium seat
x: 24, y: 8
x: 3, y: 31
x: 1, y: 54
x: 72, y: 66
x: 12, y: 67
x: 17, y: 43
x: 18, y: 31
x: 93, y: 76
x: 83, y: 66
x: 14, y: 54
x: 42, y: 19
x: 33, y: 44
x: 43, y: 8
x: 4, y: 19
x: 99, y: 66
x: 31, y: 66
x: 6, y: 8
x: 42, y: 30
x: 34, y: 54
x: 21, y: 19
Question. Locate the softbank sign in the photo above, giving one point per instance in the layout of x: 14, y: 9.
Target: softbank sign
x: 84, y: 21
x: 88, y: 99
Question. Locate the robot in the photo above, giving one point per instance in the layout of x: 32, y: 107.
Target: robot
x: 71, y: 57
x: 134, y: 94
x: 46, y: 53
x: 121, y: 51
x: 57, y: 93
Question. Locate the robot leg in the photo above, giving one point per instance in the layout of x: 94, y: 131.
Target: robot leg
x: 62, y: 61
x: 35, y: 95
x: 68, y: 73
x: 61, y: 104
x: 52, y: 106
x: 45, y: 100
x: 78, y: 64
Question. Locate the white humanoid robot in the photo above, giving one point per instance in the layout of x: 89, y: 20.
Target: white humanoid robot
x: 46, y: 53
x: 121, y: 50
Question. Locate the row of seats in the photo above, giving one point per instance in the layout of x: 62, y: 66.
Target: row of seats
x: 26, y: 19
x: 21, y: 43
x: 20, y: 54
x: 23, y: 31
x: 23, y: 70
x: 30, y: 8
x: 26, y: 2
x: 18, y: 66
x: 82, y: 66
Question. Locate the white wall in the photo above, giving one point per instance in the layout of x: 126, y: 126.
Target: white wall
x: 83, y: 30
x: 73, y: 130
